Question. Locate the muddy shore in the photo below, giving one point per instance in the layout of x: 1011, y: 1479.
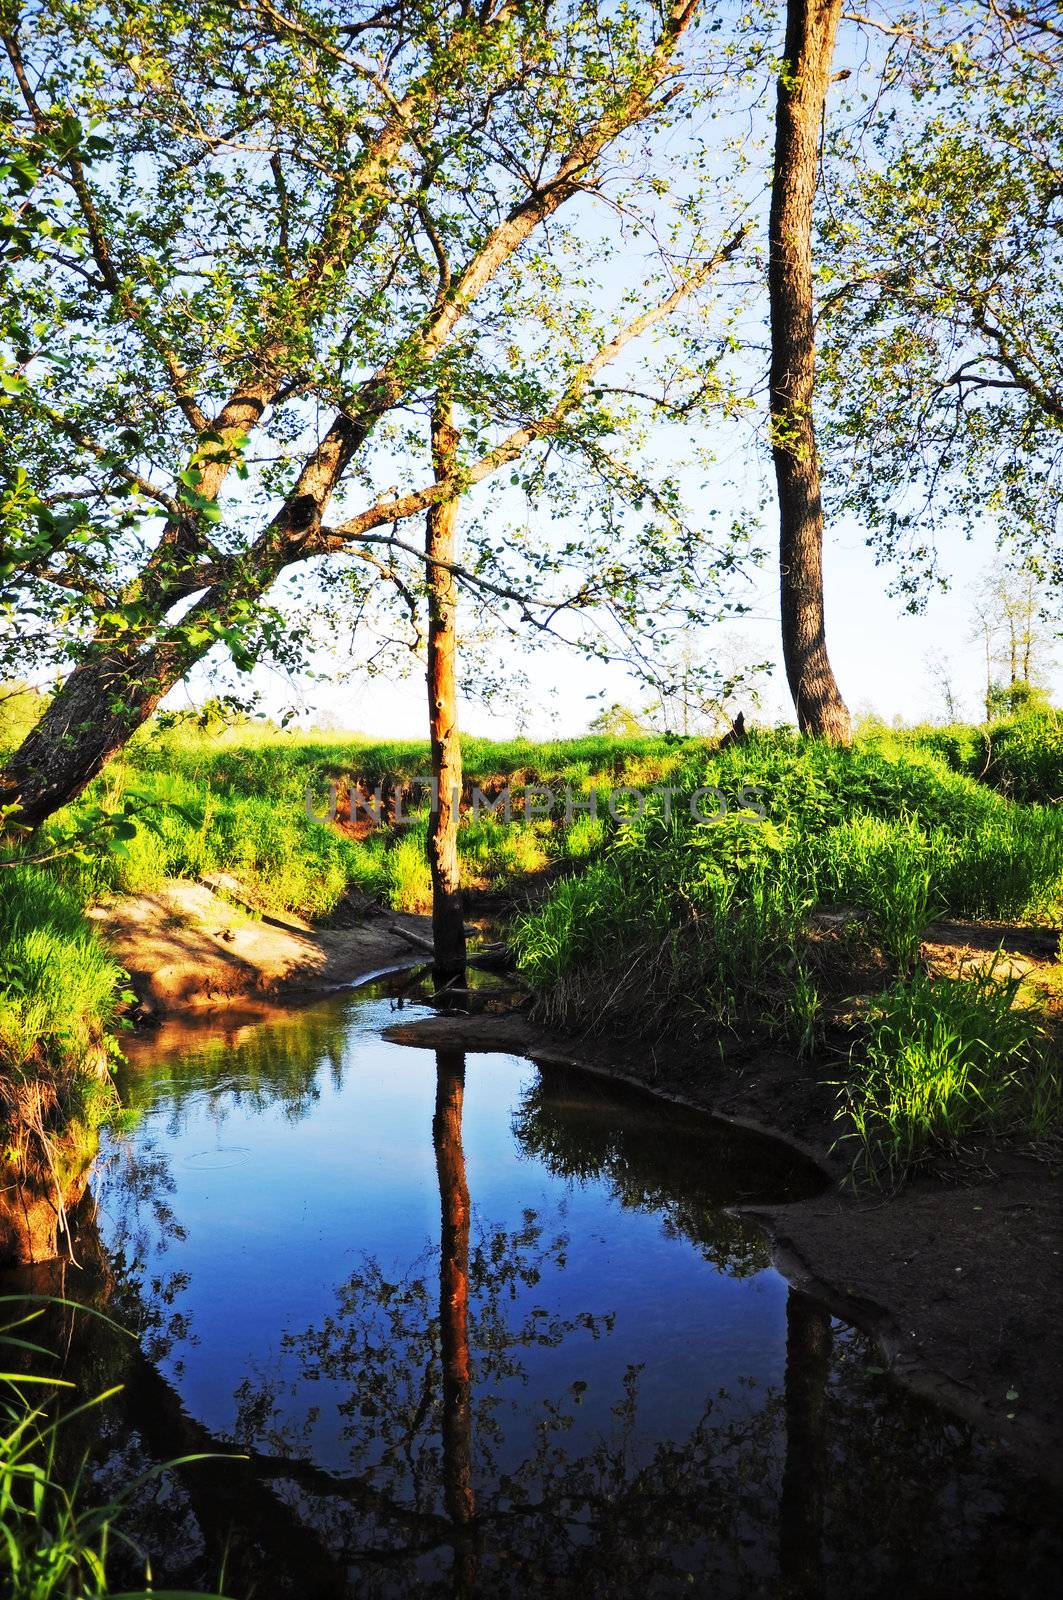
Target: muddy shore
x: 958, y: 1277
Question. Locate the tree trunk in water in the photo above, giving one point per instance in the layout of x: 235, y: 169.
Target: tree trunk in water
x: 454, y: 1314
x: 808, y: 1352
x: 810, y: 29
x: 448, y: 917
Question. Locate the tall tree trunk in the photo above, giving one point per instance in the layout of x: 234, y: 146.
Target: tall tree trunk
x: 454, y: 1314
x: 811, y: 26
x: 808, y: 1351
x: 448, y: 918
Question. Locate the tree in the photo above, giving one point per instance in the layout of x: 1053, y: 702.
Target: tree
x: 940, y: 673
x: 441, y: 522
x: 811, y: 26
x: 448, y: 917
x: 703, y: 690
x: 1008, y: 621
x: 248, y: 311
x: 618, y: 722
x: 941, y: 327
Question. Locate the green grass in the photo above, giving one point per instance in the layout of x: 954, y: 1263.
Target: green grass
x: 1021, y: 756
x: 681, y: 931
x: 884, y: 868
x: 944, y: 1062
x: 663, y: 928
x: 54, y: 1543
x: 59, y: 988
x: 235, y: 802
x: 894, y: 835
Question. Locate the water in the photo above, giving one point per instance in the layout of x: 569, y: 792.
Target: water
x: 478, y: 1330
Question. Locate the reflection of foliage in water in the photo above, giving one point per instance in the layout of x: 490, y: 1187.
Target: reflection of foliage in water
x: 652, y: 1163
x: 135, y: 1181
x: 269, y: 1062
x: 382, y: 1343
x: 886, y: 1496
x: 931, y: 1506
x: 619, y: 1510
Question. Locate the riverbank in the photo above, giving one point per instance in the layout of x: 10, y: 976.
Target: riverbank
x: 957, y: 1276
x: 197, y: 946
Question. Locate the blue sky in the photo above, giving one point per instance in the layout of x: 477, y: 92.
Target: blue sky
x: 879, y: 654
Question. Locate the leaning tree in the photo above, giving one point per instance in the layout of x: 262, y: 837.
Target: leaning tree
x: 226, y: 326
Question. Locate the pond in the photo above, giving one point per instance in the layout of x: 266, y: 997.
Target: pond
x: 448, y: 1325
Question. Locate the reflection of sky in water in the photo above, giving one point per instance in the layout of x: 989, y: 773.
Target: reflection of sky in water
x: 287, y: 1173
x: 648, y: 1401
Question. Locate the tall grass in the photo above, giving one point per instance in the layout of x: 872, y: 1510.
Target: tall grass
x: 236, y: 802
x: 1021, y: 756
x: 884, y: 868
x: 54, y: 1543
x: 681, y: 930
x: 944, y: 1061
x: 58, y: 986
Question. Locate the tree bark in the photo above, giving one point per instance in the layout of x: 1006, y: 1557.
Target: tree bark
x: 103, y: 702
x: 811, y: 26
x: 454, y: 1314
x: 448, y: 917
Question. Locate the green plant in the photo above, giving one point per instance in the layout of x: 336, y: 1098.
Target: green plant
x: 883, y: 868
x: 59, y: 988
x: 803, y: 1012
x: 53, y: 1545
x: 945, y: 1060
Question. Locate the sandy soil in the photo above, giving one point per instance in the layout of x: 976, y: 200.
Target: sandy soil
x: 195, y: 945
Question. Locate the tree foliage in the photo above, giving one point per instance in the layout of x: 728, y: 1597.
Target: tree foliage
x: 941, y: 307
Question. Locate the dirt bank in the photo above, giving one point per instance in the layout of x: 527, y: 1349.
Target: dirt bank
x: 959, y: 1281
x: 199, y: 945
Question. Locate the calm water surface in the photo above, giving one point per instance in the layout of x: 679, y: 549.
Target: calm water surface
x: 477, y: 1330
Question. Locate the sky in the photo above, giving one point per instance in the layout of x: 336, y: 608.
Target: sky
x: 878, y: 652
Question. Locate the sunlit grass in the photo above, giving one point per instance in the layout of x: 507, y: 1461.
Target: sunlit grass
x: 944, y: 1061
x: 58, y: 986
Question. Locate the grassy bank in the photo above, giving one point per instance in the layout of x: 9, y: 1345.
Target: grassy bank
x: 686, y: 933
x: 1022, y: 757
x: 680, y: 932
x: 60, y: 994
x: 234, y: 801
x: 237, y: 802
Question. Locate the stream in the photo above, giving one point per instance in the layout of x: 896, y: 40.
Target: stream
x: 449, y: 1325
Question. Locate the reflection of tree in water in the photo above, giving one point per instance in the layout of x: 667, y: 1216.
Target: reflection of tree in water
x: 135, y: 1182
x: 271, y: 1062
x: 652, y: 1162
x: 836, y: 1485
x: 433, y: 1364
